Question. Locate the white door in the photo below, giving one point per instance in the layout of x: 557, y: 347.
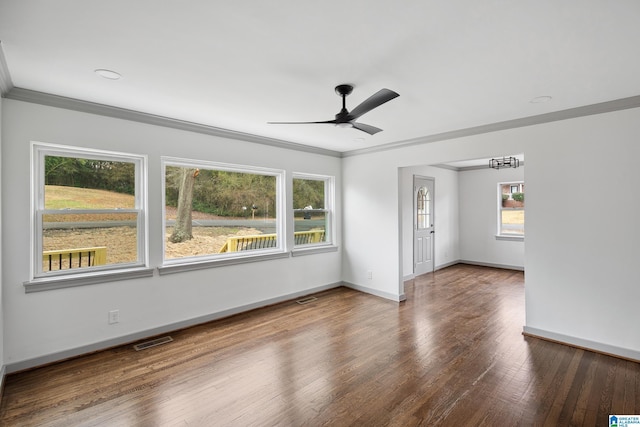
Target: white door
x: 423, y: 232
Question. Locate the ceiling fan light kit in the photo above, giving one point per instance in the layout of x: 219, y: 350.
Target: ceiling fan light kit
x: 344, y: 125
x: 505, y: 162
x: 346, y: 118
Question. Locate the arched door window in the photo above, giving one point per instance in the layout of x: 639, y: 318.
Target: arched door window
x: 423, y: 214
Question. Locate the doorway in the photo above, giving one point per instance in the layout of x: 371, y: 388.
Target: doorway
x: 423, y: 224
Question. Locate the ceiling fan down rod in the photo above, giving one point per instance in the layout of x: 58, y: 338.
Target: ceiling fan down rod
x: 343, y: 91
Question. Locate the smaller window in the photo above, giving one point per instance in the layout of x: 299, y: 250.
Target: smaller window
x: 511, y: 209
x: 423, y: 204
x: 313, y: 209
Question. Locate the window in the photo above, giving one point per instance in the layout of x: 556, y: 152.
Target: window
x: 90, y: 211
x: 215, y: 211
x: 312, y: 210
x: 511, y: 209
x: 423, y: 215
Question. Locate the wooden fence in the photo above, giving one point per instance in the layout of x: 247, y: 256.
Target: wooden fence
x: 262, y: 241
x: 73, y: 258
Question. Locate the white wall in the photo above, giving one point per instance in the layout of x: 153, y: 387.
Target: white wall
x: 478, y: 218
x: 1, y: 287
x: 581, y: 284
x: 583, y: 233
x: 465, y: 215
x: 54, y: 323
x: 581, y: 250
x: 446, y: 236
x: 373, y: 180
x: 370, y: 191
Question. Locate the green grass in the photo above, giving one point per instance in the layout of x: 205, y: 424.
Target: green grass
x: 60, y: 197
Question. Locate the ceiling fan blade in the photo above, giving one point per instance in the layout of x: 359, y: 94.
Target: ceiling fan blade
x: 375, y: 100
x: 301, y: 123
x: 371, y: 130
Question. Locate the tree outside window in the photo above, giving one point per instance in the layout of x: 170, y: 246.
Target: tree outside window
x: 215, y: 210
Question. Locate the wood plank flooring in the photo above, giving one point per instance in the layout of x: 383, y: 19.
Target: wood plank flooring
x: 452, y: 354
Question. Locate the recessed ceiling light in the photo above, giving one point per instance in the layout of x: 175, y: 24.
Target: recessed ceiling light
x: 358, y: 139
x: 541, y: 99
x: 108, y: 74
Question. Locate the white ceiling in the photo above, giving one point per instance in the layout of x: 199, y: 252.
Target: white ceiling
x: 237, y: 65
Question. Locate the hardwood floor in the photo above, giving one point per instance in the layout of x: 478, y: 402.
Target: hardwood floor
x: 452, y: 354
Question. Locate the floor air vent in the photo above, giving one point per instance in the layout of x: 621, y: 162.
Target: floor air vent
x: 152, y: 343
x: 306, y: 300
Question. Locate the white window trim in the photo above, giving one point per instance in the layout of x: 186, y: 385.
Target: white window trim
x: 41, y: 281
x: 319, y: 248
x: 329, y: 210
x: 510, y: 237
x: 82, y: 279
x: 506, y: 236
x: 176, y: 265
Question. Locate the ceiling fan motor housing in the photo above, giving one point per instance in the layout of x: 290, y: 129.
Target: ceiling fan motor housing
x: 344, y: 90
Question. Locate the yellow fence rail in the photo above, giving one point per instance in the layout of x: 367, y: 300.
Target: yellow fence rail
x: 74, y: 258
x: 261, y: 241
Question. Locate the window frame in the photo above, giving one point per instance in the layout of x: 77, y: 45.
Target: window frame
x: 329, y: 210
x: 499, y: 234
x: 43, y: 280
x: 174, y: 265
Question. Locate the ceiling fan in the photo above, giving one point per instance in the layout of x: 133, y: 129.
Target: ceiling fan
x: 348, y: 119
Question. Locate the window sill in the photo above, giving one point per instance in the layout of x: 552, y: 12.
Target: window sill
x: 512, y: 238
x: 179, y: 267
x: 301, y: 251
x: 49, y: 283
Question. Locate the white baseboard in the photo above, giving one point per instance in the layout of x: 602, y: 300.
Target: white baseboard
x: 584, y: 344
x: 3, y: 374
x: 376, y: 292
x: 137, y: 336
x: 448, y: 264
x: 437, y: 267
x: 488, y: 264
x: 461, y: 261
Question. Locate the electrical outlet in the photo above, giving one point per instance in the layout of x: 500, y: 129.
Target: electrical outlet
x: 114, y: 316
x: 369, y: 274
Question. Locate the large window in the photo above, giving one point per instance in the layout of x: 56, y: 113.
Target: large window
x: 312, y: 209
x: 218, y: 211
x: 89, y: 211
x: 511, y: 209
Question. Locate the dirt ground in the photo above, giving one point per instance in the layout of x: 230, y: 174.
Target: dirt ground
x: 206, y: 240
x: 121, y: 241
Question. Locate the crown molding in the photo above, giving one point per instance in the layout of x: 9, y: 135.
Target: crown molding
x: 57, y: 101
x: 465, y: 168
x: 571, y: 113
x: 447, y: 167
x: 26, y: 95
x: 5, y: 78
